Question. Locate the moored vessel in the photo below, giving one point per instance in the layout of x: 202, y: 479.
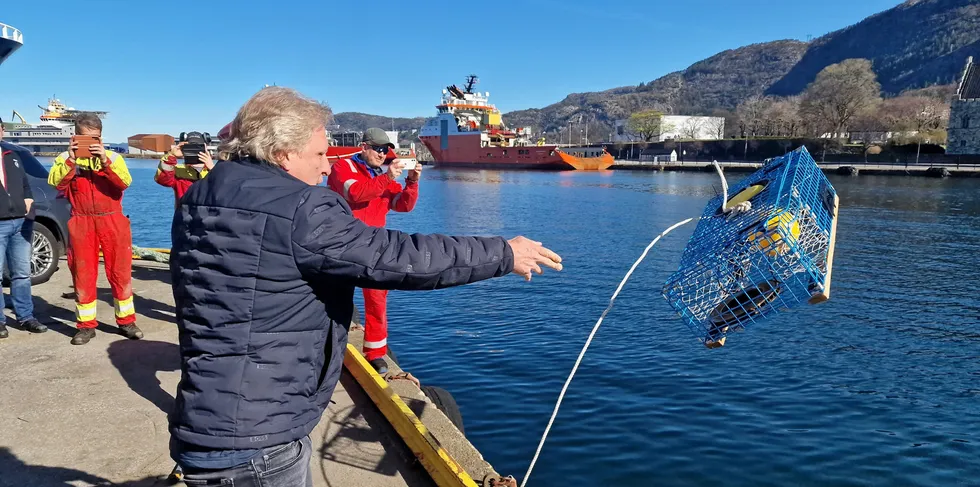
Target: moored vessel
x: 52, y: 135
x: 470, y: 132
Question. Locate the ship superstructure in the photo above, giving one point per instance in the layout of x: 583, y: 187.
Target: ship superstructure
x: 52, y: 135
x: 57, y: 114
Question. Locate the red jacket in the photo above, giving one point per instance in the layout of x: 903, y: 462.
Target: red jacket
x: 369, y: 197
x: 167, y: 175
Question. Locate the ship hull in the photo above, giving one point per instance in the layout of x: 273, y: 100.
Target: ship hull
x: 7, y: 47
x: 464, y: 151
x: 501, y: 165
x: 10, y: 40
x: 600, y: 163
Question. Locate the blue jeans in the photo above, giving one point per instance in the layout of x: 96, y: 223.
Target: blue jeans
x: 16, y: 247
x: 285, y: 465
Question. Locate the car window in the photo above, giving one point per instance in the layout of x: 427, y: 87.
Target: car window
x: 32, y: 166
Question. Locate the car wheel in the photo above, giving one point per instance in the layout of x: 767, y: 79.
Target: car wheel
x: 44, y: 260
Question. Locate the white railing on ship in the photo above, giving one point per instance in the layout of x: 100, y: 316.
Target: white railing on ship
x: 8, y: 32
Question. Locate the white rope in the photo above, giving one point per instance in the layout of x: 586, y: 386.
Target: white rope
x: 724, y: 187
x: 741, y: 207
x: 581, y: 354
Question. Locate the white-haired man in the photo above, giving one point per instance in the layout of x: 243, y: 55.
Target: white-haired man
x: 264, y: 266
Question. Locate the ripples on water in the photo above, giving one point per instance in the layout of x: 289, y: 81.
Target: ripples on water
x: 878, y: 386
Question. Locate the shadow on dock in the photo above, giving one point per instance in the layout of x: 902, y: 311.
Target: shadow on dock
x: 138, y: 362
x: 61, y: 320
x: 17, y: 473
x: 352, y: 439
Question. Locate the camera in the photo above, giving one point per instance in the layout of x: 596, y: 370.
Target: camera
x: 196, y: 142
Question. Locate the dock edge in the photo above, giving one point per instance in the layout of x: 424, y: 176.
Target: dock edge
x: 440, y: 465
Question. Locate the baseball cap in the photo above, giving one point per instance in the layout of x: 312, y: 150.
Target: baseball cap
x: 225, y: 131
x: 377, y: 137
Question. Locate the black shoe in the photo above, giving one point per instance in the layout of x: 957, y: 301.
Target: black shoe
x: 379, y: 365
x: 82, y: 336
x: 3, y: 331
x: 176, y: 475
x: 131, y: 332
x: 33, y: 326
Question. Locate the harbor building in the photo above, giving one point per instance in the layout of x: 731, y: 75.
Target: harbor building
x: 676, y: 127
x: 964, y: 116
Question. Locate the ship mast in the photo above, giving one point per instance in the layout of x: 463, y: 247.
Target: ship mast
x: 470, y: 81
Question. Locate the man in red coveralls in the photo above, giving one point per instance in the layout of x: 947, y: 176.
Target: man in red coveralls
x: 180, y: 178
x: 94, y: 186
x: 371, y: 192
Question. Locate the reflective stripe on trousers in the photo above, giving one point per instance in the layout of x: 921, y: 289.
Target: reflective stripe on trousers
x: 375, y: 323
x: 111, y: 234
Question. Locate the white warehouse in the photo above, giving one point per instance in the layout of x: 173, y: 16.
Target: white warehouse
x: 675, y: 127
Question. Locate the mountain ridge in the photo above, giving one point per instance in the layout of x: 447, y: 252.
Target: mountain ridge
x: 916, y: 44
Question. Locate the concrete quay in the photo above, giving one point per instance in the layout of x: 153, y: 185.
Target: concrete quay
x: 844, y: 168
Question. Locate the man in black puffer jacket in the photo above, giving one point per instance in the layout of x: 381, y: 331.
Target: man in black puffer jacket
x: 264, y: 266
x: 16, y: 235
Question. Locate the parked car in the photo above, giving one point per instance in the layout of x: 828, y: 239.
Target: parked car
x: 51, y: 217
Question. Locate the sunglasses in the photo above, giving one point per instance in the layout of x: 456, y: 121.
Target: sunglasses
x: 380, y: 149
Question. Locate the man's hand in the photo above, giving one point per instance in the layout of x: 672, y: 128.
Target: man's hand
x: 176, y: 151
x: 395, y: 169
x: 415, y: 173
x: 205, y: 158
x: 530, y: 255
x: 30, y: 203
x: 71, y: 150
x: 98, y: 150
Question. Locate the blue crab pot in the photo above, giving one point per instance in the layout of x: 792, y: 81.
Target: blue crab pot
x: 743, y: 268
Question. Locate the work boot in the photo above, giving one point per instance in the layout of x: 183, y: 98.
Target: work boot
x: 176, y: 475
x: 3, y: 331
x: 130, y: 331
x: 379, y: 365
x: 82, y: 336
x: 33, y: 326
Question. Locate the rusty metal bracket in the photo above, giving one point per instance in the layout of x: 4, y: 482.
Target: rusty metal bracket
x: 497, y: 481
x: 403, y: 376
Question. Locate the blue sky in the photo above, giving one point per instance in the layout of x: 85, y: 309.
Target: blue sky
x: 188, y: 65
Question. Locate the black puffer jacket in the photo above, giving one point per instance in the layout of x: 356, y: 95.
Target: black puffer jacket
x: 264, y: 269
x: 16, y: 187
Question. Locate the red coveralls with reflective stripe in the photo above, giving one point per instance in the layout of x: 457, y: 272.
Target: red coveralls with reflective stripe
x: 95, y: 189
x: 370, y: 197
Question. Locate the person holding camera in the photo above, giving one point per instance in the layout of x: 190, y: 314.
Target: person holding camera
x: 16, y: 233
x: 197, y: 163
x: 94, y: 179
x: 371, y: 192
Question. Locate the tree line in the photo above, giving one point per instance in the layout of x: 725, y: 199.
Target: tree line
x: 844, y: 101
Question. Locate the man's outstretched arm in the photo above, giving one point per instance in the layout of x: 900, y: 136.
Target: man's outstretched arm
x: 330, y: 243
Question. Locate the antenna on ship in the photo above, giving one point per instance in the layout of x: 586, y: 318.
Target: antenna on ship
x: 470, y: 81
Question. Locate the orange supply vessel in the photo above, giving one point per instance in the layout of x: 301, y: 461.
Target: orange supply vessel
x: 470, y: 132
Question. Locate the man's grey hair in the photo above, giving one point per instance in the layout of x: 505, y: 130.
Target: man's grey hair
x: 276, y: 121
